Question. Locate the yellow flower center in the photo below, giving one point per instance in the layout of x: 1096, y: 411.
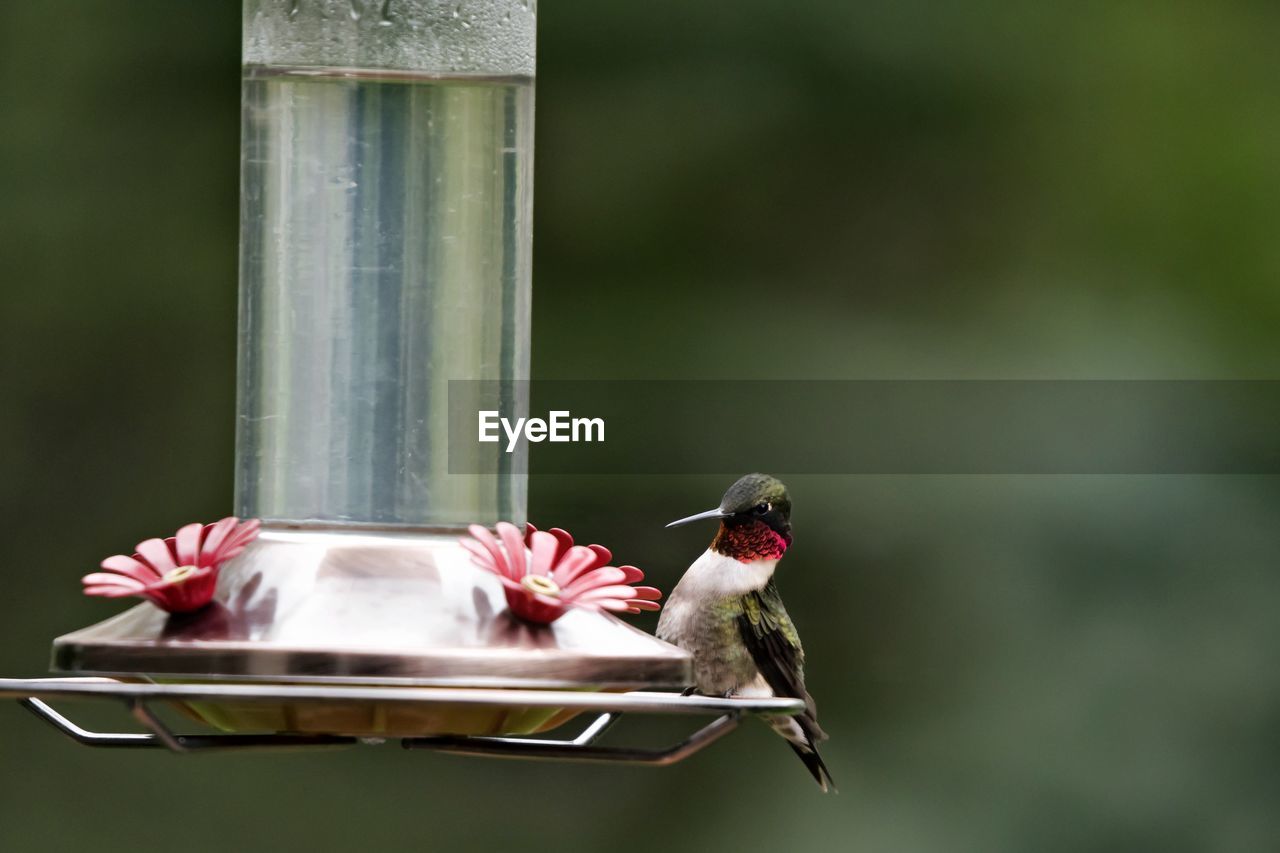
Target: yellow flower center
x: 540, y: 584
x: 179, y: 574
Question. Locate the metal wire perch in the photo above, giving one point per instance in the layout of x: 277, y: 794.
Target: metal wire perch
x: 35, y: 695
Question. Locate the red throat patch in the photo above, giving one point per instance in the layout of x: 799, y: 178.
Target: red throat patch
x: 749, y: 542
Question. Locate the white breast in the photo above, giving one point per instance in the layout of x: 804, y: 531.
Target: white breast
x: 715, y: 576
x: 695, y: 618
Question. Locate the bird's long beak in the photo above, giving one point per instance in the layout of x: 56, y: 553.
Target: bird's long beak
x: 711, y: 513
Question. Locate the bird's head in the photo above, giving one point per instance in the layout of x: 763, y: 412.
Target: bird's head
x: 755, y: 519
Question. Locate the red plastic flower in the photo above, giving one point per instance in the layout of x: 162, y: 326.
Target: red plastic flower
x: 544, y: 574
x: 177, y: 574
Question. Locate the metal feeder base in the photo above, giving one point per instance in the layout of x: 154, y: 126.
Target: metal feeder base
x: 373, y: 609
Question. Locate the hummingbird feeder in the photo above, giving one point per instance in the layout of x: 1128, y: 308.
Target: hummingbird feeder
x: 386, y: 231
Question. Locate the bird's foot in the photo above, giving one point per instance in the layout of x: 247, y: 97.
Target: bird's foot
x: 694, y: 691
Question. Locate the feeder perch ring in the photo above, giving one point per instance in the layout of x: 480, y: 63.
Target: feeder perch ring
x: 36, y: 693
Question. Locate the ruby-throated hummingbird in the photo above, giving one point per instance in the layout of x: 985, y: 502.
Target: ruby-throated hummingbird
x: 727, y: 613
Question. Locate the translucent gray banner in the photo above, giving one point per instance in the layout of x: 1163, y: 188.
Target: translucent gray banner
x: 869, y: 427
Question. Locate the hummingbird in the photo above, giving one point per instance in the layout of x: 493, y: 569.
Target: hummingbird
x: 727, y: 613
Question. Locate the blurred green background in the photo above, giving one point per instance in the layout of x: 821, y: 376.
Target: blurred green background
x: 753, y: 190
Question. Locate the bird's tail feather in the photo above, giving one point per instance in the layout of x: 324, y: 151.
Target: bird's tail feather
x: 816, y: 766
x: 802, y: 734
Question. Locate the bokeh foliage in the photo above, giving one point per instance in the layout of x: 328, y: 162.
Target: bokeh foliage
x: 751, y: 190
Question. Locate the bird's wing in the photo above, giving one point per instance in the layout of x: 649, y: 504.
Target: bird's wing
x: 771, y: 638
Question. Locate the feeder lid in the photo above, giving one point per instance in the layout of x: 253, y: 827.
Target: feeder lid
x: 308, y: 605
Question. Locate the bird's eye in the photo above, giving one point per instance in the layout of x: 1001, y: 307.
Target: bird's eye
x: 761, y: 509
